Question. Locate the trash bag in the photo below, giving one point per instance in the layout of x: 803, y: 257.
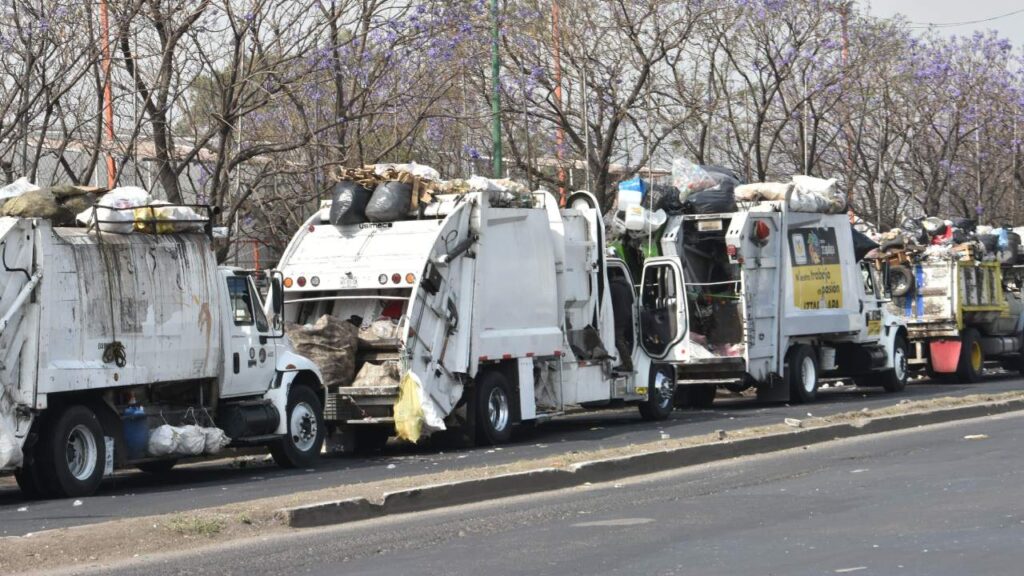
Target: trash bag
x: 1009, y: 248
x: 390, y: 201
x: 164, y: 440
x: 816, y: 195
x: 409, y: 409
x: 33, y: 204
x: 348, y: 203
x: 384, y: 374
x: 990, y: 242
x: 763, y: 191
x: 192, y: 441
x: 933, y: 226
x: 914, y: 230
x: 665, y: 197
x: 10, y: 448
x: 689, y: 177
x: 716, y: 200
x: 380, y: 332
x: 965, y: 224
x: 415, y: 412
x: 115, y: 210
x: 862, y: 244
x: 17, y: 188
x: 331, y: 344
x: 215, y: 440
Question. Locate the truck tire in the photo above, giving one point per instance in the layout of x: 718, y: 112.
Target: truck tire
x: 658, y: 405
x: 895, y: 380
x: 802, y: 374
x: 972, y: 357
x: 32, y: 484
x: 369, y: 440
x: 72, y: 454
x: 300, y: 447
x: 698, y: 396
x: 493, y: 409
x: 901, y: 280
x: 157, y: 467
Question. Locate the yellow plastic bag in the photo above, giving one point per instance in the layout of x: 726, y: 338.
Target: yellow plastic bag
x: 409, y: 409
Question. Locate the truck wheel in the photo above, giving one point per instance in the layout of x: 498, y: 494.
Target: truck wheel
x: 895, y: 380
x: 802, y: 374
x: 972, y: 357
x: 493, y: 409
x: 304, y: 438
x: 157, y: 467
x: 369, y: 440
x: 901, y: 280
x: 660, y: 392
x: 32, y: 484
x: 73, y: 454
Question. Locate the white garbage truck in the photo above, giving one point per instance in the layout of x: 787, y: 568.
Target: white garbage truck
x: 121, y: 350
x: 500, y: 312
x: 767, y: 297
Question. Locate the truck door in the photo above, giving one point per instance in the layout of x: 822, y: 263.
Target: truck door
x: 663, y: 315
x: 250, y: 358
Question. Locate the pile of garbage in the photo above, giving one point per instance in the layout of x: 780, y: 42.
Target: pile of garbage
x: 121, y: 210
x: 391, y: 192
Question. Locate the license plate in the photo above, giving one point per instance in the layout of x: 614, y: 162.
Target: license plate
x: 709, y: 225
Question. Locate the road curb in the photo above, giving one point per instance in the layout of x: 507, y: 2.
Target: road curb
x: 436, y: 496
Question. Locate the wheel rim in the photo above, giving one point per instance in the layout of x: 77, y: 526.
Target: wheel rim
x: 664, y: 387
x: 900, y: 363
x: 303, y: 427
x: 497, y: 409
x: 810, y: 379
x: 976, y: 356
x: 81, y: 453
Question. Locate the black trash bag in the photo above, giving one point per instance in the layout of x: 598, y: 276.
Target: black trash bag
x: 934, y: 226
x: 348, y: 203
x: 990, y: 242
x: 965, y: 224
x: 861, y: 244
x: 666, y: 198
x: 718, y: 200
x: 390, y: 201
x: 721, y: 173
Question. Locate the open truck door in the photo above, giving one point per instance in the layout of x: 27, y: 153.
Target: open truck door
x: 663, y: 314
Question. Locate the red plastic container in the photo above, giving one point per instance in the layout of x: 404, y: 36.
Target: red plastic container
x: 945, y: 355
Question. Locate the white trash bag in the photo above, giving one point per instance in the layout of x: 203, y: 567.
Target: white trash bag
x: 192, y: 441
x: 114, y: 210
x: 216, y: 440
x: 164, y: 440
x: 17, y: 188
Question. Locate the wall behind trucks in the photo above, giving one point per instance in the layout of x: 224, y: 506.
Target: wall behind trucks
x: 159, y: 295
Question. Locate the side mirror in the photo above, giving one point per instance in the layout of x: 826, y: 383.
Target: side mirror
x: 277, y: 302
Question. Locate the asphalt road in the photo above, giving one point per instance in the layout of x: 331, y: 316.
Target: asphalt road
x: 926, y: 501
x: 131, y: 493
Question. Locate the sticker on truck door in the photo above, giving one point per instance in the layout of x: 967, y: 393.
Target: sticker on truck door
x: 817, y: 275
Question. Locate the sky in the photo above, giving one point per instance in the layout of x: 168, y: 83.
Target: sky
x: 952, y: 11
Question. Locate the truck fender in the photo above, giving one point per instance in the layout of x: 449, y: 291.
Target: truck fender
x: 292, y: 369
x: 889, y: 340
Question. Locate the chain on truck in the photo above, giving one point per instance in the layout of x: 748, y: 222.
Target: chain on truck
x: 136, y: 349
x: 767, y: 297
x: 495, y: 311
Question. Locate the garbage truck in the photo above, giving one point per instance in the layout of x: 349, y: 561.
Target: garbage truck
x: 962, y: 311
x: 122, y: 350
x: 767, y: 297
x: 482, y: 310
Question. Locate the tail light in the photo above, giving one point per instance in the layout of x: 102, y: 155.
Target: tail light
x: 314, y: 281
x: 761, y: 231
x: 301, y: 281
x: 382, y: 279
x: 288, y: 282
x: 410, y: 278
x: 396, y: 278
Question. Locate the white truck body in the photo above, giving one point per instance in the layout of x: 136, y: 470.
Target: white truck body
x: 94, y: 323
x: 762, y: 284
x: 476, y: 288
x: 976, y: 304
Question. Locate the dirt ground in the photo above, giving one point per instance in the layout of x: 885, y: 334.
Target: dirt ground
x: 107, y: 542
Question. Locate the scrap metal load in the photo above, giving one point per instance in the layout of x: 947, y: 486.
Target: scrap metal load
x: 958, y: 286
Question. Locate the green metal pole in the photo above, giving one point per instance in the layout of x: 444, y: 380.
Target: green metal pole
x: 495, y: 92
